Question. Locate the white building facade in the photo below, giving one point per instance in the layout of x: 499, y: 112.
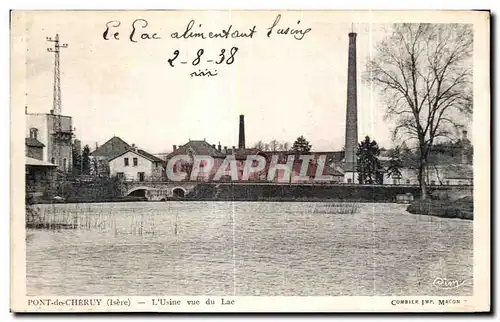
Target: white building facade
x: 136, y: 165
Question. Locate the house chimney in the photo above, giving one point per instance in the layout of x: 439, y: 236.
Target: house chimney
x: 51, y: 111
x: 213, y: 146
x: 351, y: 124
x: 464, y: 135
x: 26, y: 110
x: 175, y: 147
x: 134, y: 147
x: 225, y: 150
x: 241, y: 140
x: 219, y: 147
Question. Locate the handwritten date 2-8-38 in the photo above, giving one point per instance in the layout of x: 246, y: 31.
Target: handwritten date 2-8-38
x: 224, y: 57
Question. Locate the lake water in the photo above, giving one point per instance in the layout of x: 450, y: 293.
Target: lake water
x: 247, y: 248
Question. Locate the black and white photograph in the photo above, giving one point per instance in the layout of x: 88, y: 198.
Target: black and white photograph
x: 250, y: 161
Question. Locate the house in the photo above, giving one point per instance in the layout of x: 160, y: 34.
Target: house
x: 195, y: 148
x: 136, y: 164
x: 449, y: 163
x: 103, y: 154
x: 40, y: 178
x: 56, y: 141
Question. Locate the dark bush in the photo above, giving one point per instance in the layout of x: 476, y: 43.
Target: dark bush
x: 462, y: 208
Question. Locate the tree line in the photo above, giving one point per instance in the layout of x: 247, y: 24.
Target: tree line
x: 301, y: 144
x: 81, y: 160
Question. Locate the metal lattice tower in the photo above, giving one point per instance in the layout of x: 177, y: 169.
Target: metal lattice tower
x: 56, y: 105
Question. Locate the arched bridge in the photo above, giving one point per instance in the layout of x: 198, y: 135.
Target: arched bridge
x: 160, y: 190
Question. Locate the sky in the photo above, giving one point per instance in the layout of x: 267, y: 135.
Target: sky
x: 285, y: 87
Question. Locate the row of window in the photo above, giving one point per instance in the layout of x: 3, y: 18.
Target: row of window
x: 126, y: 163
x: 140, y: 175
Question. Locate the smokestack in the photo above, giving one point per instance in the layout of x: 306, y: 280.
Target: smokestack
x: 241, y: 141
x: 174, y: 147
x: 351, y: 125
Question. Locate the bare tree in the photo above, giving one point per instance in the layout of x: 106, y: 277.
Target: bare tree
x: 259, y: 145
x: 423, y: 72
x: 273, y: 145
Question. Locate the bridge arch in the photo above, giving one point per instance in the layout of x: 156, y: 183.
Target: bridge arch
x: 179, y: 192
x: 138, y: 191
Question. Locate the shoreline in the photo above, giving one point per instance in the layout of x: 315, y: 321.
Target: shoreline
x: 274, y: 200
x: 458, y: 209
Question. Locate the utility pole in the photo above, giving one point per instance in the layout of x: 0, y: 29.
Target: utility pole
x: 57, y: 136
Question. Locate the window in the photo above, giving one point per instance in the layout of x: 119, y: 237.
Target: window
x: 135, y: 162
x: 141, y: 176
x: 394, y: 181
x: 33, y: 133
x: 120, y: 175
x: 65, y: 164
x: 349, y: 180
x: 126, y: 161
x: 53, y: 160
x: 407, y: 181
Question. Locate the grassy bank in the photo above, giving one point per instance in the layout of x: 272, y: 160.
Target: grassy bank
x: 462, y: 208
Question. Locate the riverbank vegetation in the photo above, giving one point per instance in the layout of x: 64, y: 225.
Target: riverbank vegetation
x: 461, y: 208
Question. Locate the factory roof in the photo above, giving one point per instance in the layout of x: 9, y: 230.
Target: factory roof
x: 197, y: 147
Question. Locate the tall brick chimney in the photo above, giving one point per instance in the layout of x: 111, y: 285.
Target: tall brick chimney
x: 351, y: 122
x: 241, y: 140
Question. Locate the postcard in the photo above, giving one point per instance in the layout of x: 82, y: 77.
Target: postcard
x: 250, y: 161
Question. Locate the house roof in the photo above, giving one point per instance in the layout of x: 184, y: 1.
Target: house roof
x: 198, y: 147
x: 38, y: 163
x: 112, y: 148
x: 141, y: 153
x: 32, y: 142
x: 149, y: 156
